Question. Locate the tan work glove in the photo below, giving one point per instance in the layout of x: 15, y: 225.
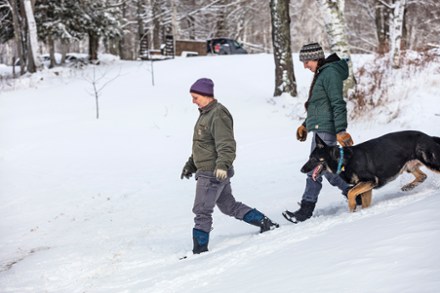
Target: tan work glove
x: 301, y: 133
x: 220, y: 174
x: 344, y: 139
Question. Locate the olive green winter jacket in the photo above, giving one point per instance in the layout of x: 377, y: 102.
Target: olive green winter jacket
x: 213, y: 140
x: 327, y: 110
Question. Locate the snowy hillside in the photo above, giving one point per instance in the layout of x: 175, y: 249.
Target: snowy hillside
x: 98, y: 206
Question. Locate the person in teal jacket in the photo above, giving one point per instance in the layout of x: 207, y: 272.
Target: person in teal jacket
x: 326, y: 117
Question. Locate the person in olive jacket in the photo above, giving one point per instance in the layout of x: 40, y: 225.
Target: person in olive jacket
x: 213, y: 153
x: 326, y: 117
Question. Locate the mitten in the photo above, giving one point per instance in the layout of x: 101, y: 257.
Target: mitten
x: 301, y: 133
x: 344, y: 139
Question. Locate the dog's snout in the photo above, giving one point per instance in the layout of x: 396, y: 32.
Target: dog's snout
x: 304, y: 169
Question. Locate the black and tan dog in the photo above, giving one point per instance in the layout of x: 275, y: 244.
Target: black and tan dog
x: 376, y: 162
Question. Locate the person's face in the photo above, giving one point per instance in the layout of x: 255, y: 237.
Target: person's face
x: 311, y: 65
x: 199, y: 100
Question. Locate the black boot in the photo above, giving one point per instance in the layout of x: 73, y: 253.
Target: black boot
x: 305, y: 212
x: 256, y: 218
x: 200, y: 240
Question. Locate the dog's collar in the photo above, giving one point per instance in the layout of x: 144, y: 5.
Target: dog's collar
x: 341, y: 160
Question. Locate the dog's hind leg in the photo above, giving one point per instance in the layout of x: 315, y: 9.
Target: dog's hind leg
x: 366, y: 198
x: 413, y: 168
x: 360, y: 188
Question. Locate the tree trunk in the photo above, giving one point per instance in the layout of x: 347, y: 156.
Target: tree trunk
x: 33, y: 62
x: 64, y: 50
x: 396, y: 28
x: 93, y: 47
x: 128, y: 41
x: 221, y: 20
x: 156, y: 24
x: 18, y: 35
x: 284, y: 76
x: 141, y: 34
x: 51, y: 45
x: 382, y: 27
x: 334, y: 20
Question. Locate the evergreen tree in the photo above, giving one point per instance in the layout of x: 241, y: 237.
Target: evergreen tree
x: 6, y: 22
x: 56, y: 21
x: 99, y: 19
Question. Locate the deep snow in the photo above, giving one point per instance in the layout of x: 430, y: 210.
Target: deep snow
x: 98, y: 206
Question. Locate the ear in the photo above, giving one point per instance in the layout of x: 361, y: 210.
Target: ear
x: 319, y: 142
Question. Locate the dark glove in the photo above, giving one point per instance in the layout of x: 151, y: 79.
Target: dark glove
x: 186, y: 173
x: 301, y: 133
x: 344, y: 139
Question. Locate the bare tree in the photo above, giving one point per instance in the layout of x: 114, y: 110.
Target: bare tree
x: 333, y: 14
x: 382, y: 14
x: 284, y: 76
x: 98, y: 83
x: 157, y: 23
x: 18, y: 34
x: 34, y: 60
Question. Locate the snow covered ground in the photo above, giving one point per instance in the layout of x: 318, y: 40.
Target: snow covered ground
x: 92, y: 205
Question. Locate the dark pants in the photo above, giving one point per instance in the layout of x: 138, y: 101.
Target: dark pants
x: 313, y: 187
x: 211, y: 192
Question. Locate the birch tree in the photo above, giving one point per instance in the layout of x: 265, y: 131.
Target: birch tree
x: 334, y: 20
x: 34, y: 60
x: 396, y: 29
x: 284, y: 76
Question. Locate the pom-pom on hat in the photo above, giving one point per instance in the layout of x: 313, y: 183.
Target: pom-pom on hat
x: 311, y: 51
x: 204, y: 87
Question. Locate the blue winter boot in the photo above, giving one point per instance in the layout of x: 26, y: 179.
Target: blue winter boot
x: 256, y: 218
x: 200, y: 239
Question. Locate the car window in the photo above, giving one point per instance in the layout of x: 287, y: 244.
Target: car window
x: 237, y: 44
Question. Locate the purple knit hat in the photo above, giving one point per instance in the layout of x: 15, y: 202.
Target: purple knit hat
x: 204, y: 87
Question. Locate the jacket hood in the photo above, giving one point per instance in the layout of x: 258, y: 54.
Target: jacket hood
x: 337, y: 63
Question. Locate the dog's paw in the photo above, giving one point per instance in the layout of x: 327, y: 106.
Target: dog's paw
x: 351, y: 207
x: 408, y: 187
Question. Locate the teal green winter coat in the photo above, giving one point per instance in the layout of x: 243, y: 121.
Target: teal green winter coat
x: 327, y: 110
x: 214, y: 145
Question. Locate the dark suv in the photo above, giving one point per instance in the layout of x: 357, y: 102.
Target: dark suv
x: 225, y: 46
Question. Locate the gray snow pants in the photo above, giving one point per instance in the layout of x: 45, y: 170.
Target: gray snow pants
x: 313, y: 188
x: 211, y: 192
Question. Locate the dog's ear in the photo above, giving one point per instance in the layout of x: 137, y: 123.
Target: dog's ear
x: 319, y: 142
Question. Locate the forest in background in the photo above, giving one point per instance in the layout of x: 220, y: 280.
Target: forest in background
x: 118, y: 25
x: 30, y: 28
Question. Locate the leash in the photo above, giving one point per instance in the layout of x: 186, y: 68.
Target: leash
x: 341, y: 160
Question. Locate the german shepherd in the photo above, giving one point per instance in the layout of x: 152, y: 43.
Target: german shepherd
x: 376, y: 162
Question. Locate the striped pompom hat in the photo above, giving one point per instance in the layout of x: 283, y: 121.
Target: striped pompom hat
x: 311, y: 51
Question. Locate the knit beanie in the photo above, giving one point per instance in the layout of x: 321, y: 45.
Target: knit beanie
x: 204, y: 87
x: 311, y: 51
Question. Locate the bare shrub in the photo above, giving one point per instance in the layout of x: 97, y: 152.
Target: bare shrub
x: 377, y: 81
